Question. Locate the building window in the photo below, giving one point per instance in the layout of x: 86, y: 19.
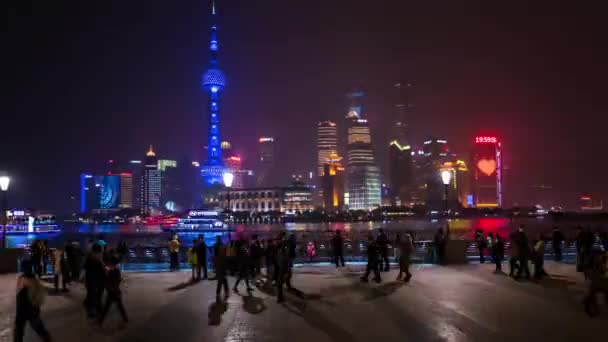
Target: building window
x: 262, y: 194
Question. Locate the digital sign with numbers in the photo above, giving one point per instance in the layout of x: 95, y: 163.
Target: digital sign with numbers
x: 486, y: 140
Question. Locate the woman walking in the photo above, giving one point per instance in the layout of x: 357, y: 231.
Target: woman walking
x: 406, y: 249
x: 193, y: 259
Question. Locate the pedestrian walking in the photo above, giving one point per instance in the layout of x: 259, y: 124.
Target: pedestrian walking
x: 373, y: 261
x: 311, y: 251
x: 173, y: 246
x: 74, y: 256
x: 598, y: 282
x: 94, y: 281
x: 270, y: 254
x: 201, y: 256
x: 481, y: 244
x: 244, y: 262
x: 30, y: 297
x: 114, y: 294
x: 523, y: 246
x: 220, y: 265
x: 498, y: 252
x: 46, y: 256
x: 539, y: 256
x: 256, y: 252
x: 337, y: 244
x: 193, y: 259
x: 514, y: 256
x: 37, y: 250
x: 406, y: 249
x: 60, y: 270
x: 557, y: 238
x: 383, y: 248
x: 283, y: 269
x: 439, y: 246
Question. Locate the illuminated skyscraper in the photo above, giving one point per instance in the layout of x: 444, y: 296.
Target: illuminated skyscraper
x: 265, y: 163
x: 401, y: 109
x: 126, y: 190
x: 333, y: 183
x: 150, y: 183
x: 213, y: 82
x: 327, y: 144
x: 163, y: 164
x: 363, y: 176
x: 400, y: 173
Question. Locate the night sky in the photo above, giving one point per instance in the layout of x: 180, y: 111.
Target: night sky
x: 88, y: 81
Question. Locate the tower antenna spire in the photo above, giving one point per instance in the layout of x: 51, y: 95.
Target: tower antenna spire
x: 213, y: 7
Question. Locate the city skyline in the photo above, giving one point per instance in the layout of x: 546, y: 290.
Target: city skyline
x: 111, y: 104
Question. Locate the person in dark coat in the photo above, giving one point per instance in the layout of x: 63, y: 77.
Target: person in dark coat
x: 201, y: 256
x: 498, y: 253
x: 94, y: 281
x: 221, y: 268
x: 523, y: 247
x: 256, y: 252
x: 37, y: 256
x: 373, y: 260
x: 557, y: 239
x: 29, y: 300
x: 282, y: 268
x: 439, y: 246
x: 481, y: 243
x: 112, y: 284
x: 74, y: 255
x: 244, y: 261
x: 383, y: 249
x: 270, y: 256
x: 337, y: 244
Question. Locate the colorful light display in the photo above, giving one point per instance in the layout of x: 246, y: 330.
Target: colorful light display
x: 487, y: 175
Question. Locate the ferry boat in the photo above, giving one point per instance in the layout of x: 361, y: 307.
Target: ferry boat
x: 196, y: 221
x: 20, y: 222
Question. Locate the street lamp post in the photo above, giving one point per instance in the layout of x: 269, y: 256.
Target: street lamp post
x: 446, y: 177
x: 4, y: 183
x: 228, y: 178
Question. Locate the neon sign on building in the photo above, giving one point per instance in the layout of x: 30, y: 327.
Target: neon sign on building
x: 487, y: 175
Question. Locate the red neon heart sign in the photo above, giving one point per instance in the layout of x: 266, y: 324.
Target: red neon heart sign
x: 486, y: 166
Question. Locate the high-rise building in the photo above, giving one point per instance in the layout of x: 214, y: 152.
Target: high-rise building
x: 487, y: 177
x: 151, y: 182
x: 459, y: 191
x: 363, y: 175
x: 333, y: 183
x: 355, y: 108
x: 327, y: 144
x: 213, y: 82
x: 401, y: 109
x: 400, y: 173
x: 163, y: 164
x: 126, y: 190
x: 265, y: 164
x: 436, y: 152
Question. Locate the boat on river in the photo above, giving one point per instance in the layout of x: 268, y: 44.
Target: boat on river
x: 196, y: 221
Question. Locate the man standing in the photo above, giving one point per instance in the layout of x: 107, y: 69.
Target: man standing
x: 373, y: 261
x: 173, y: 246
x: 481, y: 244
x: 523, y: 247
x: 557, y: 240
x: 337, y: 246
x: 243, y: 260
x: 201, y: 256
x: 406, y: 249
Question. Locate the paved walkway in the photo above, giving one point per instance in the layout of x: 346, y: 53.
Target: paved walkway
x: 456, y: 303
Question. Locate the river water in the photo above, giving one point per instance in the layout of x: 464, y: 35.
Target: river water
x: 319, y: 233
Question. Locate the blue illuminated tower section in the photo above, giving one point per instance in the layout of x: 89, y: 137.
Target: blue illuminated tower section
x: 213, y: 82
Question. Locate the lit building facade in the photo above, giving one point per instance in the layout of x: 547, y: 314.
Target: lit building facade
x: 487, y: 174
x: 265, y: 164
x: 213, y: 82
x: 327, y: 144
x: 459, y: 191
x: 151, y: 181
x: 126, y: 190
x: 400, y: 173
x: 106, y: 192
x: 363, y: 176
x: 234, y: 164
x: 296, y: 197
x: 333, y: 183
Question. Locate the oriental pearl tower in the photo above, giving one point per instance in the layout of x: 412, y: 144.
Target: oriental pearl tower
x: 213, y: 82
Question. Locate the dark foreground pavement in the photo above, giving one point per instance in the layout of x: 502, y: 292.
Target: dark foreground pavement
x: 456, y: 303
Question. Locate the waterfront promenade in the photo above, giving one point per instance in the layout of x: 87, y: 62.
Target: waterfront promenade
x: 453, y: 303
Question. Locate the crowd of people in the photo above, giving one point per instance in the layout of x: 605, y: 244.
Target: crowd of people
x: 100, y: 272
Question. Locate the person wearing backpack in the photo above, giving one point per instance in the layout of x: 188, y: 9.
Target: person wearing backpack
x: 30, y: 297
